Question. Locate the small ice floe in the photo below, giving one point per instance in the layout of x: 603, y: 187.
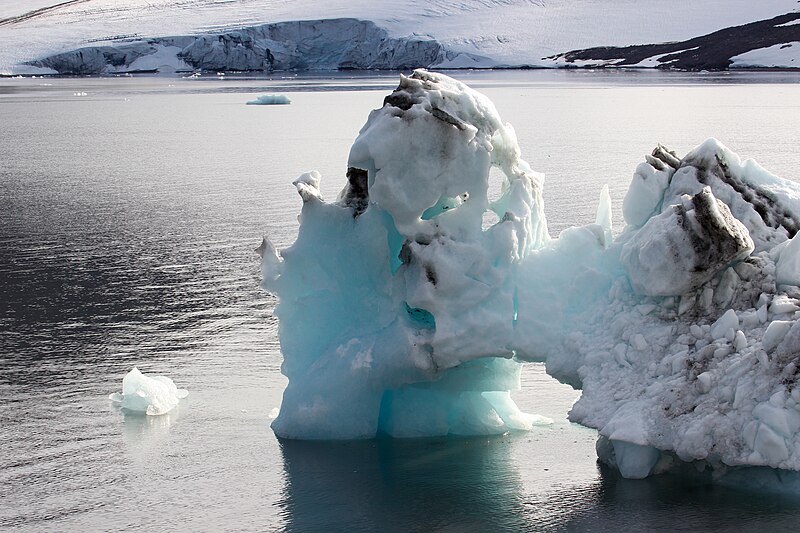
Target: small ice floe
x: 153, y: 396
x: 270, y: 99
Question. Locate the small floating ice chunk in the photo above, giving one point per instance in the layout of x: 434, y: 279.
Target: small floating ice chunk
x: 153, y: 396
x: 270, y: 99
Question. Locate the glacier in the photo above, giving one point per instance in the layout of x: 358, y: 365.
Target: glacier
x: 408, y: 304
x: 328, y: 44
x: 474, y: 33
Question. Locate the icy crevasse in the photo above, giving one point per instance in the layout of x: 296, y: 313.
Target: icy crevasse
x: 402, y: 315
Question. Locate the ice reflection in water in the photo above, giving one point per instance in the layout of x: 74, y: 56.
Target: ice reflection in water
x: 455, y: 484
x: 476, y: 485
x: 143, y: 433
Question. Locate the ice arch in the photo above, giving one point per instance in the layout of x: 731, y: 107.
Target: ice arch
x: 400, y: 314
x: 397, y: 308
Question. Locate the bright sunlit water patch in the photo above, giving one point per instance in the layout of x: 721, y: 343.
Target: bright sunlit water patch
x: 128, y: 220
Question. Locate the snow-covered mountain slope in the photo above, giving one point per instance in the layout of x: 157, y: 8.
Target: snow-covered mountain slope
x: 507, y: 32
x: 769, y: 43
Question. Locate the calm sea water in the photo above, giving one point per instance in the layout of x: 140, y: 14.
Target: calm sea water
x: 129, y: 211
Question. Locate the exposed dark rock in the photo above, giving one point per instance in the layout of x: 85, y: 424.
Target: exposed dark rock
x: 669, y: 157
x: 430, y: 274
x: 401, y: 100
x: 47, y: 10
x: 405, y: 253
x: 356, y: 193
x: 444, y: 116
x: 708, y: 52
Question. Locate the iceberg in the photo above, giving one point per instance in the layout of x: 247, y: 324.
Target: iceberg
x: 270, y: 99
x: 151, y: 395
x: 404, y: 312
x: 396, y: 305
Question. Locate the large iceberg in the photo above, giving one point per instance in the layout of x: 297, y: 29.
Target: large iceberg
x: 407, y: 304
x: 396, y: 305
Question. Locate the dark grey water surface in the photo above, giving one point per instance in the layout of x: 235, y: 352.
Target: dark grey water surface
x: 129, y: 211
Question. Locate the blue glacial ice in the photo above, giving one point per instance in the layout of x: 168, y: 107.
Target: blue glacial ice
x: 403, y: 313
x: 270, y: 99
x: 151, y: 395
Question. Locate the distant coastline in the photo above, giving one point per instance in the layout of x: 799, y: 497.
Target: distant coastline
x: 351, y: 44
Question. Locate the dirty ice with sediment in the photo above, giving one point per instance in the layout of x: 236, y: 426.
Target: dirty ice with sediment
x: 408, y: 302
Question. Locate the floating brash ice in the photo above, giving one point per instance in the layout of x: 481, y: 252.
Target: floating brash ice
x: 270, y: 99
x: 403, y: 313
x: 151, y: 395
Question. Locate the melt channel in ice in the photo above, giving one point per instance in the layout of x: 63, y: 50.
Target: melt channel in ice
x: 151, y: 395
x: 402, y: 313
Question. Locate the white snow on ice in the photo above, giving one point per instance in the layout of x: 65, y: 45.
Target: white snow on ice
x: 786, y: 55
